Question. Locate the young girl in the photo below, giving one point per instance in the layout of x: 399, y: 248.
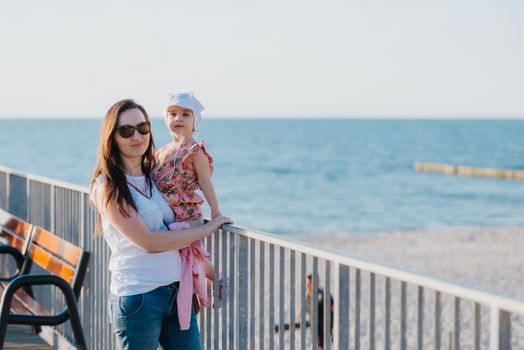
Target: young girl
x: 183, y: 166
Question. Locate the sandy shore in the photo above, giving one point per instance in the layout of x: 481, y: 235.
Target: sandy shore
x: 487, y: 258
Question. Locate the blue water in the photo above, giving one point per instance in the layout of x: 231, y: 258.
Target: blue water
x: 318, y: 176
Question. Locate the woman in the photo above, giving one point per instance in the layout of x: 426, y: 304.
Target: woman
x: 145, y: 262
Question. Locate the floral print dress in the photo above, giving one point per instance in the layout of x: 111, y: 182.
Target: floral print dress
x: 177, y: 180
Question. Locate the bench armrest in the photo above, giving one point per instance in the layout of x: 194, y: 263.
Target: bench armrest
x: 33, y: 280
x: 19, y: 259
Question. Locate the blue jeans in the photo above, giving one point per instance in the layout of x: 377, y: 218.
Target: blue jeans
x: 145, y: 321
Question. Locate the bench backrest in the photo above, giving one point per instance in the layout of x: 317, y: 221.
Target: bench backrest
x: 59, y: 257
x: 14, y: 231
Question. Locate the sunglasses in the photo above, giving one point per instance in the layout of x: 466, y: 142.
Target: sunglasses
x: 126, y: 130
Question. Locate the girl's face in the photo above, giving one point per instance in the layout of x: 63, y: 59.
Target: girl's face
x: 180, y: 121
x: 136, y: 145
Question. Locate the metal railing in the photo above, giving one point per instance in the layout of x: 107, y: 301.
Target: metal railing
x: 374, y: 305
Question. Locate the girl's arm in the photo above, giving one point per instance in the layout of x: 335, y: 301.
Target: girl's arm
x: 134, y: 228
x: 201, y: 165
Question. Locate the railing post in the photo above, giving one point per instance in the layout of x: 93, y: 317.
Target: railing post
x: 387, y: 313
x: 224, y: 239
x: 358, y: 289
x: 314, y: 304
x: 303, y: 300
x: 438, y: 320
x: 292, y: 311
x: 209, y: 312
x: 371, y: 311
x: 500, y: 330
x: 476, y: 322
x: 17, y: 197
x: 262, y: 293
x: 243, y: 277
x: 420, y: 318
x: 4, y: 204
x: 403, y: 317
x: 232, y: 294
x: 52, y: 212
x: 341, y: 314
x: 281, y: 295
x: 271, y: 272
x: 252, y: 289
x: 457, y: 330
x: 327, y: 307
x: 4, y: 188
x: 216, y: 311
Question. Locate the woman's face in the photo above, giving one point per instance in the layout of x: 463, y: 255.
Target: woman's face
x: 136, y: 145
x: 180, y: 121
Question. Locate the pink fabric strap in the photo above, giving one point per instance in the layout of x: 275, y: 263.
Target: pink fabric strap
x: 193, y: 278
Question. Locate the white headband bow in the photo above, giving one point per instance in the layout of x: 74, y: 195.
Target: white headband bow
x: 186, y: 100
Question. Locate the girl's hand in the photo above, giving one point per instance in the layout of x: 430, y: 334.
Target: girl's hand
x: 215, y: 214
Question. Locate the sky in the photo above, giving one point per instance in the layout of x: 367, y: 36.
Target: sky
x: 272, y: 58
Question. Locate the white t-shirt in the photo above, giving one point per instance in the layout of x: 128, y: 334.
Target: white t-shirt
x: 133, y: 271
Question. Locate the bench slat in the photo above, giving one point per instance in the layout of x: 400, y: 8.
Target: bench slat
x: 23, y: 304
x: 57, y: 245
x: 51, y: 263
x: 12, y: 240
x: 14, y: 231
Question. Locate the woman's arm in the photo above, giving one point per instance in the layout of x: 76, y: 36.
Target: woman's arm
x: 134, y: 228
x: 201, y: 165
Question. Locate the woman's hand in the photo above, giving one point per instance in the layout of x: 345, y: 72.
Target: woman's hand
x: 218, y: 221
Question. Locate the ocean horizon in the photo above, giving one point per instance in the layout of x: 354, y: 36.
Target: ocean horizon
x: 316, y: 176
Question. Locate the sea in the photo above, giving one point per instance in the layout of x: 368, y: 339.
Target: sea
x: 317, y: 176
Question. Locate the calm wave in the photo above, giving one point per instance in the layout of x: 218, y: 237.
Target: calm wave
x: 318, y: 176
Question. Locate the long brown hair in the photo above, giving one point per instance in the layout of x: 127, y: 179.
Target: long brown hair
x: 109, y: 162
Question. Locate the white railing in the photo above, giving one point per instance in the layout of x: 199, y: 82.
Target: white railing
x: 375, y: 306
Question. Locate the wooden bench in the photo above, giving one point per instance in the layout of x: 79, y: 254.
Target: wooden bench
x: 65, y: 267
